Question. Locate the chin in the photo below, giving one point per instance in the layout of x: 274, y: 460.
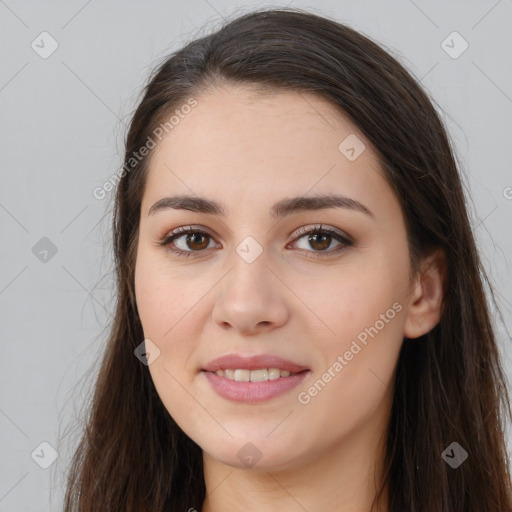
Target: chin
x: 258, y: 455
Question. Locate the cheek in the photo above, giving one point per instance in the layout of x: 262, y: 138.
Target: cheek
x: 358, y: 362
x: 168, y: 310
x: 358, y: 294
x: 364, y: 311
x: 160, y: 300
x: 152, y: 301
x: 163, y: 307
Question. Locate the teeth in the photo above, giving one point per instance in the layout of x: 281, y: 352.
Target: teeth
x: 258, y: 375
x: 261, y: 375
x: 274, y: 373
x: 242, y: 375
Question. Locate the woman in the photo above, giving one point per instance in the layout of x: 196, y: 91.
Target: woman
x: 301, y: 321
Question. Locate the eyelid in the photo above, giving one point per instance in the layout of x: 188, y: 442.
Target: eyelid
x: 343, y: 238
x: 303, y: 230
x: 312, y: 228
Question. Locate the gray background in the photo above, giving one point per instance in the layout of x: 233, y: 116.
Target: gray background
x: 62, y: 123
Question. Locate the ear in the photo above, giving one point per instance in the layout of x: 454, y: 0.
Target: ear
x: 424, y: 308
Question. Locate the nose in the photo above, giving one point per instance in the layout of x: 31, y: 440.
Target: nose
x: 251, y: 298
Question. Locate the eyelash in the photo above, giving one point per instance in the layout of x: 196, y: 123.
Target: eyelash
x: 179, y: 232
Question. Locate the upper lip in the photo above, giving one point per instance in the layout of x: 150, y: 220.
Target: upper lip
x: 252, y: 362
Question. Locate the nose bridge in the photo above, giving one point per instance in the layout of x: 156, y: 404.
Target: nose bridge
x: 250, y: 274
x: 250, y: 295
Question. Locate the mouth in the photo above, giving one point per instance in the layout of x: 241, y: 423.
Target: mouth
x: 253, y: 386
x: 253, y: 378
x: 258, y: 363
x: 258, y: 375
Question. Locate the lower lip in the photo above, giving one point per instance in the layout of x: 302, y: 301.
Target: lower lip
x: 253, y: 392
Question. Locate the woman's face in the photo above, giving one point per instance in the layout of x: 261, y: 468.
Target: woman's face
x: 252, y: 282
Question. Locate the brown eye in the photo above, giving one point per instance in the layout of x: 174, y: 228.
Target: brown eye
x: 190, y: 241
x: 196, y: 241
x: 320, y: 241
x: 186, y: 241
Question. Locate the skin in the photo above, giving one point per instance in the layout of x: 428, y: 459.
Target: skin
x: 248, y: 151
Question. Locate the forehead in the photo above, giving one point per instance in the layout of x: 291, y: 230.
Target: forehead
x: 238, y: 144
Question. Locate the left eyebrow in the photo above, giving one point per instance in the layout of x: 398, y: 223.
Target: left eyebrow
x: 281, y: 209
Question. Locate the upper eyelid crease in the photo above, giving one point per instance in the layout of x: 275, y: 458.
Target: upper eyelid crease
x: 281, y: 209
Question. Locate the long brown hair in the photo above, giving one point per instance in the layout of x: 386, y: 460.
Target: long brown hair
x: 449, y: 386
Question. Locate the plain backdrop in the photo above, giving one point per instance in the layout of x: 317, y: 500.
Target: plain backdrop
x: 70, y: 77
